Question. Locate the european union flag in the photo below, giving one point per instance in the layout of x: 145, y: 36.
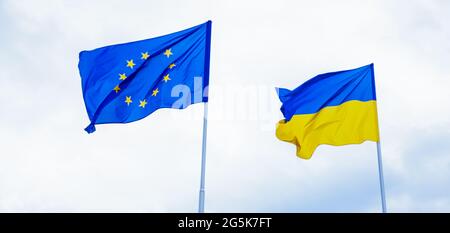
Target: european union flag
x: 127, y: 82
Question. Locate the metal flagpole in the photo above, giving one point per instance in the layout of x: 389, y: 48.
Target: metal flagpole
x: 201, y: 197
x: 380, y: 172
x: 201, y: 201
x: 380, y: 161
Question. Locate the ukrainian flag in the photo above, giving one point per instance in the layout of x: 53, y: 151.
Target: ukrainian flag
x: 337, y: 108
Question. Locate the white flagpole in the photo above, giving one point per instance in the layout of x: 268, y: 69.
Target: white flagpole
x: 201, y: 197
x: 380, y: 161
x: 380, y: 173
x: 201, y: 202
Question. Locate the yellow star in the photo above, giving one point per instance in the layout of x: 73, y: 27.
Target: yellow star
x: 145, y: 56
x: 168, y: 52
x: 142, y: 103
x: 117, y: 88
x: 172, y: 65
x: 128, y: 100
x: 122, y: 76
x: 166, y: 78
x: 130, y: 63
x: 155, y: 92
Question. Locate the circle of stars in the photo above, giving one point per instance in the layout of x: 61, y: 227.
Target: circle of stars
x: 130, y: 64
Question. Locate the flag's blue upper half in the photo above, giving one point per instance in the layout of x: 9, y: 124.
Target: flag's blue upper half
x: 330, y: 89
x: 127, y: 82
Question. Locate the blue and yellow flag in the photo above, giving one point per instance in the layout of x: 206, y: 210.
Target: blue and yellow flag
x: 337, y: 108
x: 127, y: 82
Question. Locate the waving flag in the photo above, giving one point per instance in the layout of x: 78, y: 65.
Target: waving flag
x: 336, y: 108
x: 127, y: 82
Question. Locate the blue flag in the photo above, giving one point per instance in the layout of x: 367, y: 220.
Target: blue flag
x: 127, y: 82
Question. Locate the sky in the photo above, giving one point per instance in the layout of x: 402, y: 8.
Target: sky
x: 48, y: 163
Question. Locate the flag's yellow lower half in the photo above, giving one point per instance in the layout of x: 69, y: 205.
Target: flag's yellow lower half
x: 352, y: 122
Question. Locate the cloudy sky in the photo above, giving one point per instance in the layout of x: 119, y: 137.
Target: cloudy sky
x: 48, y: 163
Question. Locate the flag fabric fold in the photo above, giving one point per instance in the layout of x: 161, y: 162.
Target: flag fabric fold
x: 337, y: 108
x: 127, y: 82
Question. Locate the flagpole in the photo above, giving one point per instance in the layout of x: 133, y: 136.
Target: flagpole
x: 201, y: 202
x: 201, y: 196
x: 380, y: 161
x: 380, y: 173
